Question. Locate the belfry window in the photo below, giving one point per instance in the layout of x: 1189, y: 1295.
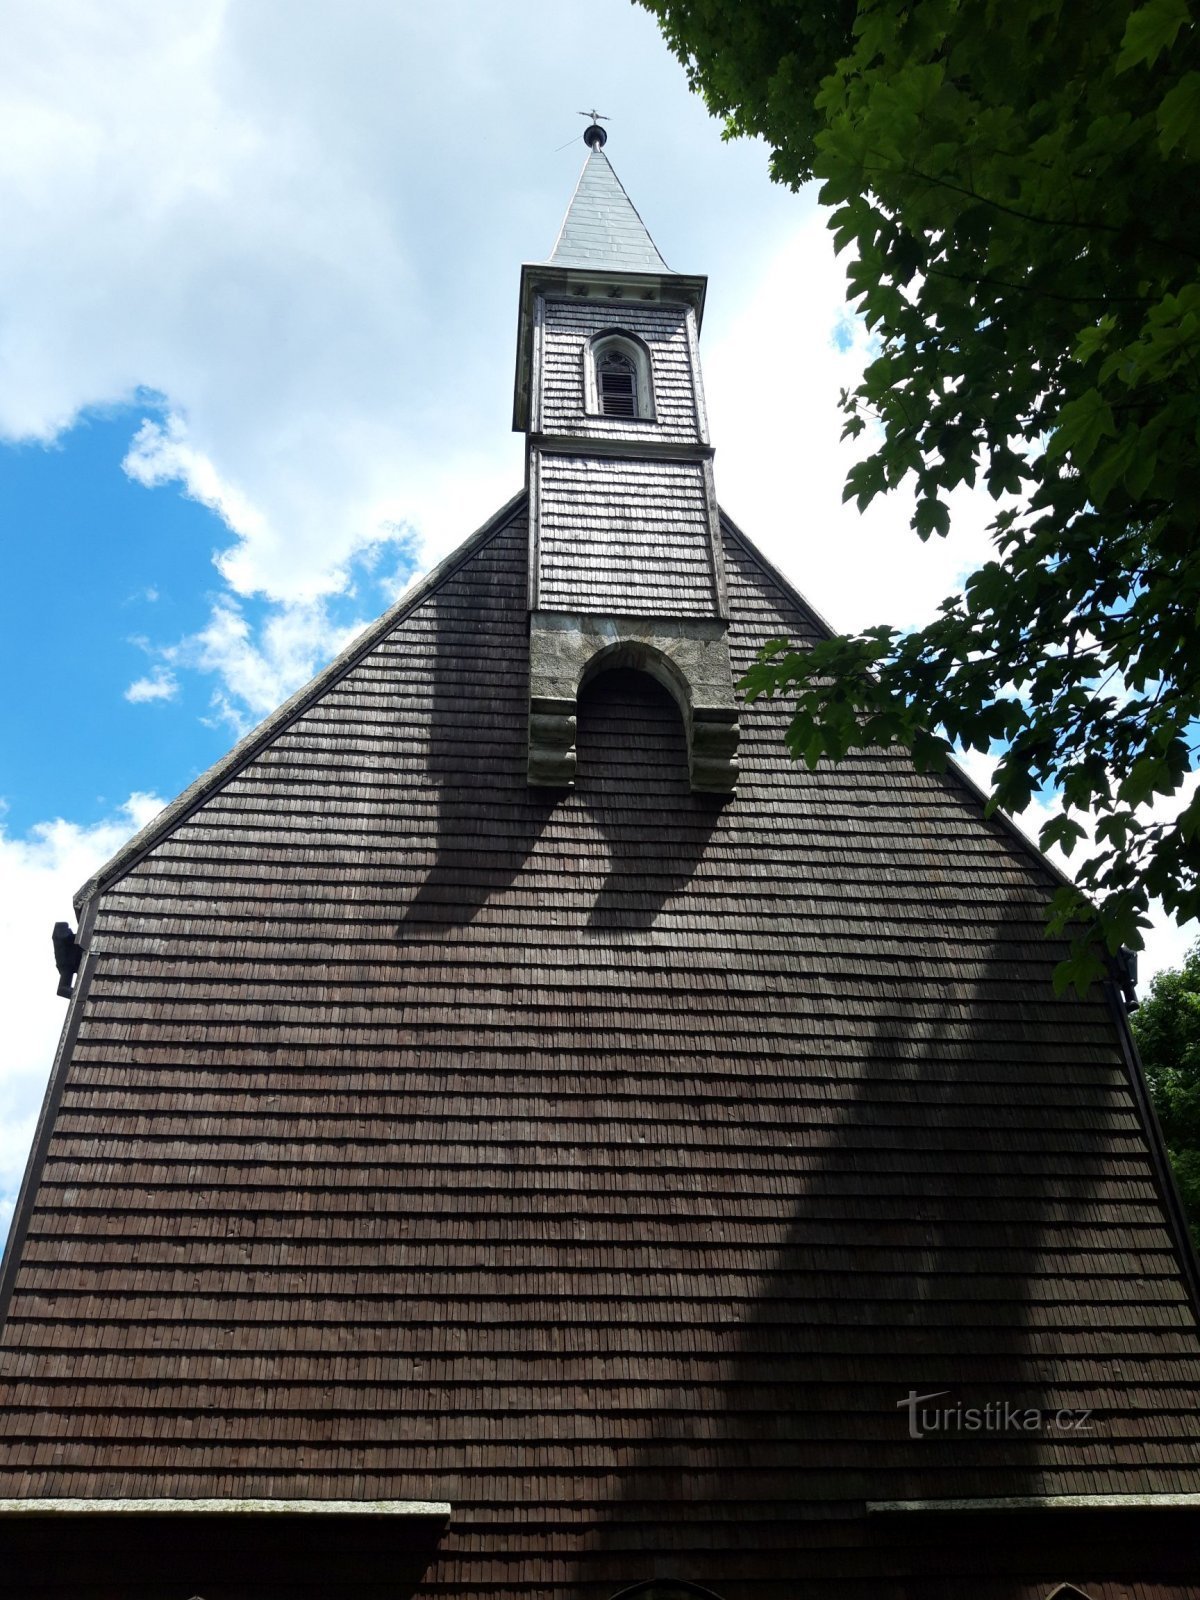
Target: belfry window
x: 616, y: 380
x: 618, y: 376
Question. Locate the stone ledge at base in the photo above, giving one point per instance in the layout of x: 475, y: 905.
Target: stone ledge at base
x: 689, y: 656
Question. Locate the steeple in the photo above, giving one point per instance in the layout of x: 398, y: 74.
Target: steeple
x: 603, y: 251
x: 602, y: 227
x: 625, y: 557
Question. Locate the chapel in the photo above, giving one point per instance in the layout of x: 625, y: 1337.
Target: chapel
x: 517, y: 1135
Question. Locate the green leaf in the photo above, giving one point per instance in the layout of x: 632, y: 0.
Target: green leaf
x: 1063, y: 831
x: 1189, y: 819
x: 1179, y: 118
x: 1093, y: 339
x: 1150, y: 30
x: 1080, y: 971
x: 1148, y: 775
x: 864, y: 481
x: 930, y: 752
x: 1082, y: 423
x: 1116, y: 465
x: 931, y: 516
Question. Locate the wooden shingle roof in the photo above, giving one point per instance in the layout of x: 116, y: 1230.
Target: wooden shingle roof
x: 610, y: 1164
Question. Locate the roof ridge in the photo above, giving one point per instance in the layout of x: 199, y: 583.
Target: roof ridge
x: 210, y: 781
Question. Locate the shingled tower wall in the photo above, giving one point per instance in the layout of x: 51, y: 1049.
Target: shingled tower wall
x: 456, y: 1185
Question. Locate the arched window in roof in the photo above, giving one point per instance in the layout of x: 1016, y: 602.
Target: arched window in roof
x: 618, y: 377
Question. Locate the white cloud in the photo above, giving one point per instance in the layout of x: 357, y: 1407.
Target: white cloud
x: 200, y: 204
x: 256, y: 675
x: 301, y: 229
x: 774, y: 371
x: 229, y: 209
x: 38, y: 875
x: 773, y: 378
x: 161, y: 453
x: 160, y: 685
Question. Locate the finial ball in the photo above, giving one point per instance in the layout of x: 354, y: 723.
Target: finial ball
x: 595, y: 137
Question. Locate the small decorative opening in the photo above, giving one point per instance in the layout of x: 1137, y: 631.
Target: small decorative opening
x: 617, y: 382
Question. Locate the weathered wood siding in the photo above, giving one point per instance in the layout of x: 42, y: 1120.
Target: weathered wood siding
x: 569, y: 324
x: 624, y: 537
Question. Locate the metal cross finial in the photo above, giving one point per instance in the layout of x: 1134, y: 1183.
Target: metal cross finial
x: 594, y: 136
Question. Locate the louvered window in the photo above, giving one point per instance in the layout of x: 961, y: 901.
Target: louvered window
x: 616, y: 378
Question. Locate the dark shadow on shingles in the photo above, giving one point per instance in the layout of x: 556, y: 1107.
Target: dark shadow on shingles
x: 471, y: 811
x: 914, y: 1262
x: 990, y: 1187
x: 916, y: 1258
x: 632, y: 780
x: 487, y: 819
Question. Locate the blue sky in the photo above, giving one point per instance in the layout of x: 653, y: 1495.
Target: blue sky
x: 114, y: 567
x: 109, y: 703
x: 257, y: 326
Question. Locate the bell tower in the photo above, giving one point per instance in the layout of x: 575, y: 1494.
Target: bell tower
x: 625, y: 562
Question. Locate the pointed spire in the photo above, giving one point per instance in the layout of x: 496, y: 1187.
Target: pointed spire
x: 601, y: 228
